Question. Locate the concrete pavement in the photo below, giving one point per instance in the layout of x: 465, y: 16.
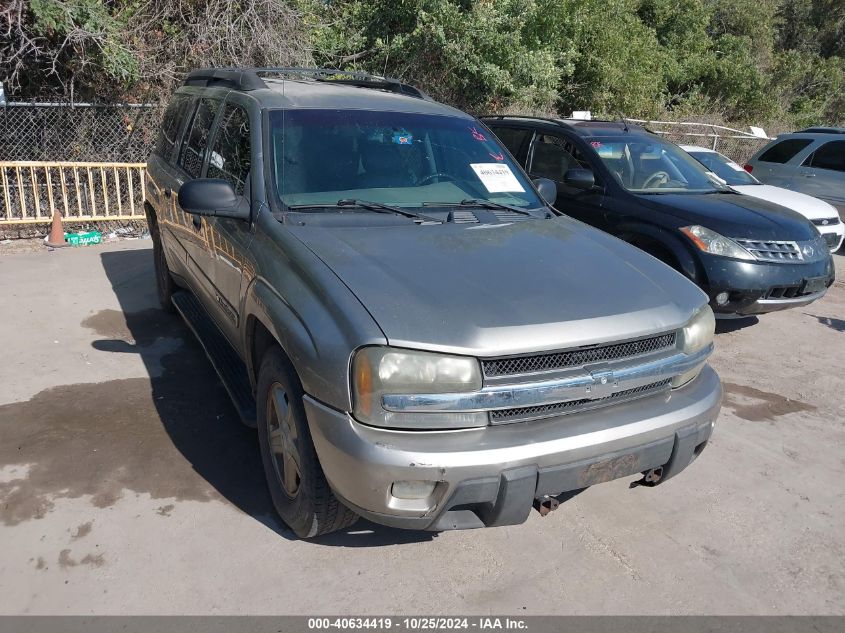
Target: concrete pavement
x: 127, y: 485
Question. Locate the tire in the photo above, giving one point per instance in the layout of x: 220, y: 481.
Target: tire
x: 165, y: 286
x: 301, y: 495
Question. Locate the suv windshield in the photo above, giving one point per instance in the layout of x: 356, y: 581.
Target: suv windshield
x: 724, y: 168
x: 321, y: 157
x: 644, y: 164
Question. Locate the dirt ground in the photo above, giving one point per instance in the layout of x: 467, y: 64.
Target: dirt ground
x: 128, y: 486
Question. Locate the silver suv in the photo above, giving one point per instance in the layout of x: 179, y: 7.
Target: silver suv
x: 417, y: 335
x: 811, y: 161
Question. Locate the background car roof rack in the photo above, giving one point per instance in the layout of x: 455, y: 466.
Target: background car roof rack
x: 822, y: 130
x: 251, y: 78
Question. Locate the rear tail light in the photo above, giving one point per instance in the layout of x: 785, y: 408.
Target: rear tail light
x: 748, y: 168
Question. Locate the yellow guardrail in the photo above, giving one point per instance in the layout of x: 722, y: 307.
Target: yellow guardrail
x: 32, y: 191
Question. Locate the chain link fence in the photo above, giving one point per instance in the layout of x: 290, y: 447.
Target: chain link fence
x: 79, y: 132
x: 737, y: 145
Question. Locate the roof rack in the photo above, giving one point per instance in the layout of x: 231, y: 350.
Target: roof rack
x: 822, y: 130
x: 522, y: 116
x: 251, y: 79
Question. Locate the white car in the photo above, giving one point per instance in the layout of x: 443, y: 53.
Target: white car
x: 822, y: 214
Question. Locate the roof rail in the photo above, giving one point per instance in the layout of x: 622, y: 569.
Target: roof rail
x: 251, y: 78
x: 527, y: 117
x: 822, y: 130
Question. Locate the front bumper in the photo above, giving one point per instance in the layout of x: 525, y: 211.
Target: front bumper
x: 491, y: 476
x: 756, y: 287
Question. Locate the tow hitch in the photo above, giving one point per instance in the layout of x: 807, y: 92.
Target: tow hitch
x: 546, y: 504
x: 650, y: 478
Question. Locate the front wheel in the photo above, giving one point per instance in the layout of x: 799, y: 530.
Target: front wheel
x: 298, y: 487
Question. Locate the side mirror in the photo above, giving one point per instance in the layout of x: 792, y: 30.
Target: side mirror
x: 213, y: 197
x: 578, y: 178
x: 547, y: 189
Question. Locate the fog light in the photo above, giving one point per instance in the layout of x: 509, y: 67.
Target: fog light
x: 722, y: 298
x: 412, y: 489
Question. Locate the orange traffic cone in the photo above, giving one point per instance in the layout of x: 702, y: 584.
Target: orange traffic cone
x: 57, y: 233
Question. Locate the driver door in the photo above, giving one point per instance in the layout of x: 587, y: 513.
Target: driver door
x: 550, y: 156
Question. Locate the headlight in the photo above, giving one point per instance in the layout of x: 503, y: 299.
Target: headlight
x: 697, y: 334
x: 715, y: 244
x: 381, y: 370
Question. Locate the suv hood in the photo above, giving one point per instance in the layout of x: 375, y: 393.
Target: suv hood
x: 734, y: 215
x: 498, y: 289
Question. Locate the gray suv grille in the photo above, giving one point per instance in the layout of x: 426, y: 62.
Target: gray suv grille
x: 772, y: 251
x: 576, y: 357
x: 524, y: 414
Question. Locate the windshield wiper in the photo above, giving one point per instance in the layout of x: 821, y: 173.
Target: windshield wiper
x: 384, y: 208
x: 478, y: 202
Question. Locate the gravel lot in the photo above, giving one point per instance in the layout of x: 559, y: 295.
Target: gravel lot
x: 127, y: 485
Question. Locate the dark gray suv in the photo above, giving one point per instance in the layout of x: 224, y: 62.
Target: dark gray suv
x: 417, y: 335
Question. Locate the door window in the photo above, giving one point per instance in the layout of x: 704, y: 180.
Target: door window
x: 553, y: 156
x: 230, y: 156
x: 829, y: 156
x: 171, y: 125
x: 512, y: 138
x: 193, y: 148
x: 782, y: 152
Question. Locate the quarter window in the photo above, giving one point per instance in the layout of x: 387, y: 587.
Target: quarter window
x: 782, y: 152
x: 553, y: 156
x: 230, y: 157
x: 829, y: 156
x: 511, y: 137
x: 171, y: 124
x: 193, y: 149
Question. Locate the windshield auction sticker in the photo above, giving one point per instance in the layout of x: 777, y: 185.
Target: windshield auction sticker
x: 496, y: 177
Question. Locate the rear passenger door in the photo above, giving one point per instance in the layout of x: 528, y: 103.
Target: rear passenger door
x: 190, y: 164
x: 164, y: 179
x: 551, y: 156
x: 822, y: 174
x: 231, y: 159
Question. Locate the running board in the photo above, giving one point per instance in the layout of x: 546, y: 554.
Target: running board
x: 226, y: 362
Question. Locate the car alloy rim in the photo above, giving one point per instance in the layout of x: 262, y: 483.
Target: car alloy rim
x: 282, y: 439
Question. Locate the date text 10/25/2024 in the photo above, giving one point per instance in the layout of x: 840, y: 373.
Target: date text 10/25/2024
x: 418, y: 623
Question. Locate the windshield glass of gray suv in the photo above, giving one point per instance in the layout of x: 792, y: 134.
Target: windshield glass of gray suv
x: 321, y: 157
x: 652, y: 166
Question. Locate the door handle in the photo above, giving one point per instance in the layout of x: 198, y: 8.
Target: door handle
x: 808, y: 175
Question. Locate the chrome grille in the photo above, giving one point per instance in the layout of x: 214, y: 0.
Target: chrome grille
x: 525, y: 414
x: 826, y: 221
x: 772, y: 251
x: 576, y: 357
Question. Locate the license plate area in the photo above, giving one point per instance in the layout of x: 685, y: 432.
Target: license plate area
x: 814, y: 284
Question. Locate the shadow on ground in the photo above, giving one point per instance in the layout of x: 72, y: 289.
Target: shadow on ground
x: 838, y: 325
x: 194, y: 412
x: 724, y: 326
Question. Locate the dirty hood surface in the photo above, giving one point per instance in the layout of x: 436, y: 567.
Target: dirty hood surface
x: 497, y: 289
